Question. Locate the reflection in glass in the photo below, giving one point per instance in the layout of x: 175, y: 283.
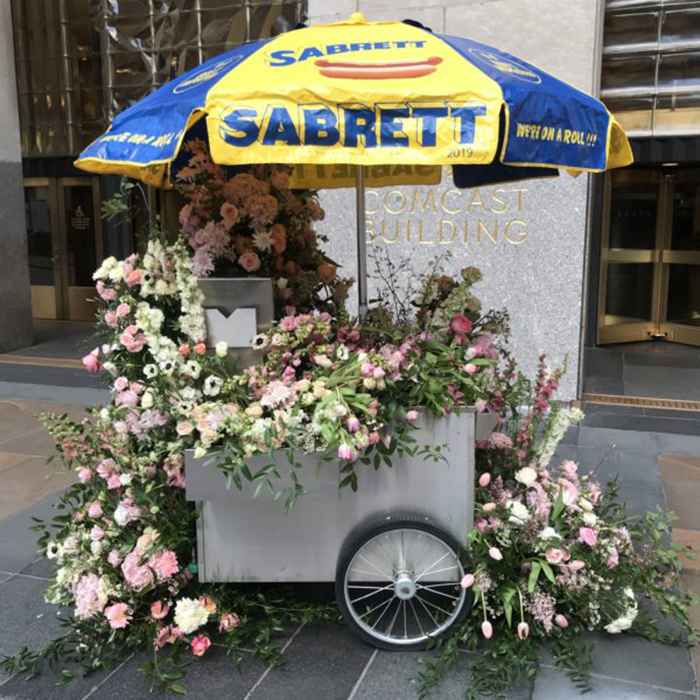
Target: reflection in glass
x: 629, y: 292
x: 80, y: 235
x: 680, y: 25
x: 683, y: 294
x: 38, y: 216
x: 630, y: 29
x: 631, y: 71
x: 633, y: 217
x: 678, y: 114
x: 679, y: 70
x: 685, y: 232
x: 633, y: 113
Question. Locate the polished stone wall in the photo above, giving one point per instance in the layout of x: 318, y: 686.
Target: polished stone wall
x: 528, y: 238
x: 15, y: 303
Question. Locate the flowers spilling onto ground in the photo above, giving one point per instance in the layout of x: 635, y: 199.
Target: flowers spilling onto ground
x: 553, y: 555
x: 253, y: 224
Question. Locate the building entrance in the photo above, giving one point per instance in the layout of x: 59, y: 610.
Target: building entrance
x: 650, y: 258
x: 64, y: 236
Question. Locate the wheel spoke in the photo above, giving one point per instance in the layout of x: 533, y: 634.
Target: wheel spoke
x: 425, y: 571
x: 388, y: 605
x: 393, y: 620
x: 368, y: 595
x: 435, y: 622
x: 376, y: 607
x: 368, y: 588
x: 374, y: 566
x: 405, y: 622
x: 415, y: 614
x: 439, y: 571
x: 452, y: 597
x: 368, y: 573
x: 432, y: 605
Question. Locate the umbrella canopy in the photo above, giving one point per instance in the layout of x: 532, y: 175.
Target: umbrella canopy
x: 367, y: 94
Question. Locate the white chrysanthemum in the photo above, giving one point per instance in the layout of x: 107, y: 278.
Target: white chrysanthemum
x: 262, y: 241
x: 105, y: 268
x: 190, y: 615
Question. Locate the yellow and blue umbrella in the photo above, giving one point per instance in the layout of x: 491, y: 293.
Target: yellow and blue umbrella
x: 391, y: 96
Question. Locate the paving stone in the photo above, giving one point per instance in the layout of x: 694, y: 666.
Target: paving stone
x: 656, y: 424
x: 322, y: 663
x: 634, y: 471
x: 553, y: 684
x: 213, y: 676
x: 392, y: 675
x: 25, y: 619
x: 630, y: 658
x: 17, y: 541
x: 672, y: 382
x: 43, y: 686
x: 40, y: 567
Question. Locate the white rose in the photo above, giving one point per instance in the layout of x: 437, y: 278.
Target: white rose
x: 222, y: 348
x: 125, y: 479
x: 96, y: 547
x: 590, y: 519
x: 549, y: 533
x: 526, y: 476
x: 147, y: 399
x: 518, y: 512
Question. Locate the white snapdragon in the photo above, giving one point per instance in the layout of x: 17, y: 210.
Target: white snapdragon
x: 555, y: 431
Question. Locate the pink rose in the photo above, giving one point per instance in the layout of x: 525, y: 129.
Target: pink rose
x: 95, y: 510
x: 122, y: 310
x: 92, y: 362
x: 555, y: 555
x: 120, y: 383
x: 249, y: 261
x: 460, y: 325
x: 200, y: 644
x: 228, y: 621
x: 588, y: 536
x: 117, y: 615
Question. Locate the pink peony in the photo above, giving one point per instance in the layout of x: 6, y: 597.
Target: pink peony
x: 228, y: 621
x: 92, y: 362
x: 159, y: 610
x: 87, y: 599
x: 200, y: 644
x: 588, y: 536
x: 460, y: 325
x: 487, y: 629
x: 117, y: 615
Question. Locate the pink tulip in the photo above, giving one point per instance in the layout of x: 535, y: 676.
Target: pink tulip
x: 488, y: 507
x: 576, y: 565
x: 467, y: 581
x: 523, y: 630
x: 561, y: 621
x: 495, y: 553
x: 346, y: 452
x: 487, y: 629
x: 485, y: 479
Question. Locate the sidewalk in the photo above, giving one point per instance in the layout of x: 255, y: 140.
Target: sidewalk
x: 326, y: 662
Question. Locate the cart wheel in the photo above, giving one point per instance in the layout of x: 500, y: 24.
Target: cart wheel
x: 397, y: 583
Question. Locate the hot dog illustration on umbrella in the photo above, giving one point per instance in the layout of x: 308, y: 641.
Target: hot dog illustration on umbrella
x: 378, y: 70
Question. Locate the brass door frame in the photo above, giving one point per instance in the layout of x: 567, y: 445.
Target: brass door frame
x: 675, y: 332
x: 638, y: 330
x: 662, y: 257
x: 59, y: 234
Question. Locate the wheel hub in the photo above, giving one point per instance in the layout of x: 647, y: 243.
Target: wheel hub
x: 404, y: 585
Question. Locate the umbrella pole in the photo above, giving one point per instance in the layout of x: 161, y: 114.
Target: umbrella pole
x: 362, y: 304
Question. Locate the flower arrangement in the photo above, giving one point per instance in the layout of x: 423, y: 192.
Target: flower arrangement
x: 254, y: 224
x: 551, y: 555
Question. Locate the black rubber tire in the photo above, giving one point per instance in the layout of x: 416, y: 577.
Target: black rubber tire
x: 394, y: 521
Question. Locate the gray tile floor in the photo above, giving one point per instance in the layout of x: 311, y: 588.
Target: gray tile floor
x: 326, y: 662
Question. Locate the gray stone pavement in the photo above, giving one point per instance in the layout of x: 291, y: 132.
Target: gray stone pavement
x: 326, y: 661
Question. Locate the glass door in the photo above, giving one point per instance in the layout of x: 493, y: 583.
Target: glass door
x: 64, y: 238
x: 680, y: 258
x: 630, y: 280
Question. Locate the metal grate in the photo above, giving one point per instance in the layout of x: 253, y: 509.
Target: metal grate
x: 642, y: 401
